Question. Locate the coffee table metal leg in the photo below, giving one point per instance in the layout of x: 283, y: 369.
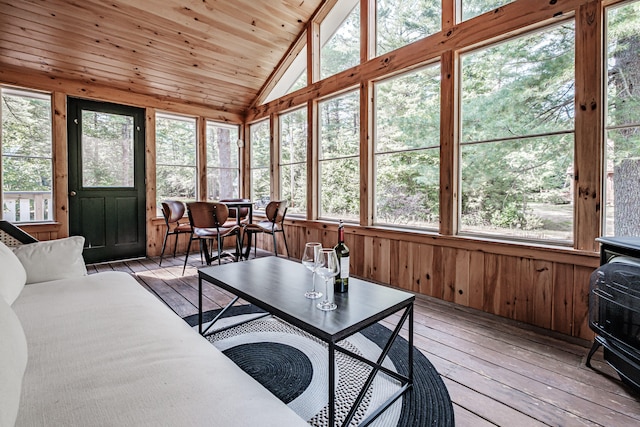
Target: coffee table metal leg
x: 332, y: 385
x: 405, y: 381
x: 219, y: 315
x: 410, y: 344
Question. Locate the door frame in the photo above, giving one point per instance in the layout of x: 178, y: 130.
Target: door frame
x: 74, y: 156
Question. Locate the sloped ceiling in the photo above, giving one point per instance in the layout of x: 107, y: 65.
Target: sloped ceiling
x: 214, y: 53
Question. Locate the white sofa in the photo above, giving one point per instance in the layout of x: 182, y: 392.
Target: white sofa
x: 100, y: 350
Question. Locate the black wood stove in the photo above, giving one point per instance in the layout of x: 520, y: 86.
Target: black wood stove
x: 614, y: 307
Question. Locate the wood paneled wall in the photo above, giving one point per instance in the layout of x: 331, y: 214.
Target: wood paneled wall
x: 540, y: 286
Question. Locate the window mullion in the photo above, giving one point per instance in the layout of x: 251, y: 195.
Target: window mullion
x: 366, y: 154
x: 201, y: 158
x: 275, y: 157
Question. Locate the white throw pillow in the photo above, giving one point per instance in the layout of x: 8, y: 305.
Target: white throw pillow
x: 52, y: 259
x: 12, y: 275
x: 13, y: 362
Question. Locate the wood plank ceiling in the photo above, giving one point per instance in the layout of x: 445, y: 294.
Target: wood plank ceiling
x: 212, y: 53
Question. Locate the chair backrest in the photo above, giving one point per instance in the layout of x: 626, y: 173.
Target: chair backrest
x: 12, y: 236
x: 207, y: 214
x: 276, y: 210
x: 172, y: 210
x: 244, y: 212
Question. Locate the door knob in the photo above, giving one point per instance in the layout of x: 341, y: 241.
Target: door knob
x: 73, y: 193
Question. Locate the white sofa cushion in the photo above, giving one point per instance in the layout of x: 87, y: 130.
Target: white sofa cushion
x: 13, y: 361
x: 52, y: 259
x: 105, y: 351
x: 13, y: 276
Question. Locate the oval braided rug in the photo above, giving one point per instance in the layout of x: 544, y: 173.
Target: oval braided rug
x: 293, y: 366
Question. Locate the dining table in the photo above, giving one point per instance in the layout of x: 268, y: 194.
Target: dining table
x: 238, y: 205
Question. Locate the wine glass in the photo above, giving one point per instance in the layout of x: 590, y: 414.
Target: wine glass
x: 310, y: 260
x: 328, y: 268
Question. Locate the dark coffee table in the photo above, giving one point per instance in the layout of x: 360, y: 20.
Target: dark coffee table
x: 277, y: 286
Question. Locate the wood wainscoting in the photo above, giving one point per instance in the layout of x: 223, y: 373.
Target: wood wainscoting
x: 542, y: 286
x: 44, y: 231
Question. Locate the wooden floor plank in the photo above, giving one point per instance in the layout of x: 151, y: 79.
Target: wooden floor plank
x: 471, y: 405
x: 547, y: 369
x: 467, y: 361
x: 503, y: 394
x: 467, y: 418
x: 564, y: 362
x: 518, y: 349
x: 498, y: 371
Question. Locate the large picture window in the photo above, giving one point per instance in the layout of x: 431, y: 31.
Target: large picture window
x: 223, y: 167
x: 517, y: 139
x: 622, y: 132
x: 294, y: 78
x: 293, y: 160
x: 176, y: 148
x: 26, y: 163
x: 400, y: 22
x: 407, y: 149
x: 340, y: 38
x: 259, y: 134
x: 339, y: 163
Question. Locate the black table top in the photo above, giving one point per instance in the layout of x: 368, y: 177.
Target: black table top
x: 277, y: 285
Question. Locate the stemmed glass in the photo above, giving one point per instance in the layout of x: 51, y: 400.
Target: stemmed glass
x: 310, y: 260
x: 328, y: 268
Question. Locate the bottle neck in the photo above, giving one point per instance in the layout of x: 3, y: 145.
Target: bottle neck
x: 340, y: 235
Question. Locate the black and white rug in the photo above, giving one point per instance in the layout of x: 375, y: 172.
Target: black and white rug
x: 294, y: 366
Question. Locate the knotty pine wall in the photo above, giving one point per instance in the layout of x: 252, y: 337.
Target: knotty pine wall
x: 541, y: 286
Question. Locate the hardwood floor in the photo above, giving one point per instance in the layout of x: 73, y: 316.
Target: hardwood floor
x: 498, y: 372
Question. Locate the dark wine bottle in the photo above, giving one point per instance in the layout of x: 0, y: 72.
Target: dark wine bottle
x: 341, y: 283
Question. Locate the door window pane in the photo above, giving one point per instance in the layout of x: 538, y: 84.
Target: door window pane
x: 407, y: 149
x: 517, y: 113
x: 293, y: 160
x: 339, y: 163
x: 107, y: 150
x: 622, y: 149
x: 26, y: 163
x: 400, y: 22
x: 223, y: 170
x: 260, y: 138
x: 176, y: 172
x: 340, y: 38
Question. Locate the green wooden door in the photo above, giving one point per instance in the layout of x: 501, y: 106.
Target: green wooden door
x: 106, y: 179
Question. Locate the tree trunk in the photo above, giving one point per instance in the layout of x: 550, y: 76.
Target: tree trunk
x: 626, y: 189
x: 224, y: 152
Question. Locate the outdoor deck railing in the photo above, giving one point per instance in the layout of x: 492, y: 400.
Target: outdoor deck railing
x: 27, y: 206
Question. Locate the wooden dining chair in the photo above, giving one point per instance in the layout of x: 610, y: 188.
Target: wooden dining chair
x: 208, y: 221
x: 274, y: 223
x: 13, y: 236
x: 173, y: 212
